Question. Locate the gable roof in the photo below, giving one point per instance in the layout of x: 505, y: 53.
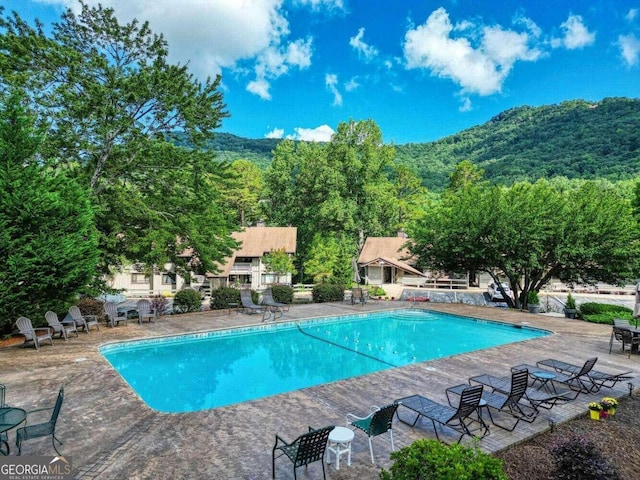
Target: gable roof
x: 384, y: 247
x: 256, y: 241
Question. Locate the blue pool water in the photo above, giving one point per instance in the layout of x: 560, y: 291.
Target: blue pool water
x: 208, y: 370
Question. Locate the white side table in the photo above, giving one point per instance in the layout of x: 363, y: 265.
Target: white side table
x: 340, y: 442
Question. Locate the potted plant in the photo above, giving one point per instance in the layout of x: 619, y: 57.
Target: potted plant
x: 609, y: 405
x: 594, y: 410
x: 570, y: 307
x: 533, y: 302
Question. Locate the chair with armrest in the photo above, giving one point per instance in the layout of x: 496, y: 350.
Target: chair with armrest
x: 62, y: 329
x: 305, y: 449
x: 145, y: 311
x: 42, y: 429
x: 379, y: 421
x: 83, y: 321
x: 113, y: 316
x: 35, y: 335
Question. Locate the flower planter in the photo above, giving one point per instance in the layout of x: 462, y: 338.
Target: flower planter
x: 570, y: 313
x: 533, y: 308
x: 594, y: 414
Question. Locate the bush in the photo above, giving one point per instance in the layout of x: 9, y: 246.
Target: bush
x: 159, y: 304
x: 571, y: 302
x: 327, y: 292
x: 532, y: 298
x: 376, y: 292
x: 433, y: 460
x: 91, y: 306
x: 282, y: 294
x: 579, y: 459
x: 604, y: 312
x: 222, y: 297
x: 187, y: 300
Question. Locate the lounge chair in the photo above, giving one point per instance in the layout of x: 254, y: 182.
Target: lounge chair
x: 276, y: 307
x: 83, y: 321
x: 250, y: 307
x: 145, y: 311
x: 509, y: 401
x: 62, y: 329
x: 536, y: 398
x: 379, y: 421
x: 456, y: 419
x: 113, y: 317
x: 578, y: 381
x: 42, y: 429
x: 35, y: 335
x: 305, y: 449
x: 598, y: 379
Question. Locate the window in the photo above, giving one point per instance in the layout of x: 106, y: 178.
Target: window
x: 139, y: 278
x: 168, y: 279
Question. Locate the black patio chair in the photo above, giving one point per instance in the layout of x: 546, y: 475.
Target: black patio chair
x: 578, y: 381
x: 305, y: 449
x: 277, y: 308
x: 379, y: 421
x: 42, y: 429
x: 597, y: 378
x: 456, y: 419
x: 250, y: 307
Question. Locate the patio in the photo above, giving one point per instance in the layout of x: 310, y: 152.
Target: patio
x: 111, y: 434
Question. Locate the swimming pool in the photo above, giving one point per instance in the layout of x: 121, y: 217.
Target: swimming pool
x: 212, y: 369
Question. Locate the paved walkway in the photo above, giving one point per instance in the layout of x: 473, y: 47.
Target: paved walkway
x: 111, y: 434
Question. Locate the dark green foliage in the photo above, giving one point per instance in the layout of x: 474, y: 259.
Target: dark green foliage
x: 577, y: 458
x: 571, y: 302
x: 159, y: 304
x: 222, y: 297
x: 533, y: 298
x: 187, y: 300
x: 591, y: 308
x: 327, y: 292
x: 433, y: 460
x: 376, y: 292
x: 604, y: 312
x: 48, y: 242
x: 282, y: 293
x: 91, y: 306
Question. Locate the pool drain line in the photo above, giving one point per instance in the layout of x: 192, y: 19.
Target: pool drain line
x: 343, y: 347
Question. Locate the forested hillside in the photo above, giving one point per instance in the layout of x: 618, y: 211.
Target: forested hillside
x: 576, y: 139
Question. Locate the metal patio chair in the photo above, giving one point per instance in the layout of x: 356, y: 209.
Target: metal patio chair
x: 379, y: 421
x: 305, y: 449
x: 42, y: 429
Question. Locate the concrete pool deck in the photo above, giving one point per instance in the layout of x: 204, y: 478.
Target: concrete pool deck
x: 111, y: 434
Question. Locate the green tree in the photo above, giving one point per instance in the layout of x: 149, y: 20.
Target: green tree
x: 279, y: 262
x: 243, y: 193
x: 112, y: 106
x: 329, y: 259
x: 531, y: 233
x: 48, y: 242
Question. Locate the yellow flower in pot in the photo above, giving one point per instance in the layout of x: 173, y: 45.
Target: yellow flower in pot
x: 594, y: 410
x: 609, y: 405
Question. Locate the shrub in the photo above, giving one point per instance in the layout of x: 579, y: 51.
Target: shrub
x: 376, y: 292
x: 571, y: 302
x: 187, y: 300
x: 576, y: 458
x: 532, y: 298
x: 159, y: 304
x: 327, y: 292
x: 433, y: 460
x: 604, y: 312
x: 592, y: 308
x: 282, y: 294
x: 222, y: 297
x: 91, y: 306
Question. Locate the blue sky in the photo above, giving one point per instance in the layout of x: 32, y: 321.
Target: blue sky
x: 421, y: 70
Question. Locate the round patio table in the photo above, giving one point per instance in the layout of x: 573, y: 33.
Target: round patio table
x: 10, y: 418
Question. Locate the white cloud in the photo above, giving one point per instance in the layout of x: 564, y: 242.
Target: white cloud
x: 465, y: 104
x: 632, y: 14
x: 212, y: 35
x: 352, y: 84
x: 323, y: 133
x: 318, y: 4
x: 367, y: 51
x: 576, y: 34
x: 478, y: 63
x: 331, y: 82
x: 629, y: 49
x: 275, y: 133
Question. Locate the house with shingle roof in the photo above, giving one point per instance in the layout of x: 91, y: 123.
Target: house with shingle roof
x: 245, y: 267
x: 387, y: 260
